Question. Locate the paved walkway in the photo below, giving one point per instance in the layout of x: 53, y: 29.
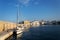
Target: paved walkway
x: 5, y: 34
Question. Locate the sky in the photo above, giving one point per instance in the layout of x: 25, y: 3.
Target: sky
x: 30, y: 10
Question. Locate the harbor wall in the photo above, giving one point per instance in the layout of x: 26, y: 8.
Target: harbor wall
x: 6, y: 26
x: 6, y: 35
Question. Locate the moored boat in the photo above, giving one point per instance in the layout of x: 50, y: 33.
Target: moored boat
x: 19, y: 30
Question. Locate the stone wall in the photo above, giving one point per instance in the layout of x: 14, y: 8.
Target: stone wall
x: 6, y: 25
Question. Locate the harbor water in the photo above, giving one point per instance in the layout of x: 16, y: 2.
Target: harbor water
x: 46, y: 32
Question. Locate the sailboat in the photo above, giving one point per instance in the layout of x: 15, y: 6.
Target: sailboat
x: 19, y: 29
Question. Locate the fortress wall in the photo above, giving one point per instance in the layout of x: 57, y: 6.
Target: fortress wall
x: 6, y: 25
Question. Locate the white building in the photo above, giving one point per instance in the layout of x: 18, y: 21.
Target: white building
x: 35, y: 23
x: 42, y: 23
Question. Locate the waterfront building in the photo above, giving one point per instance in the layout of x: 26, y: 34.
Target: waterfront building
x: 35, y: 23
x: 43, y: 23
x: 27, y: 23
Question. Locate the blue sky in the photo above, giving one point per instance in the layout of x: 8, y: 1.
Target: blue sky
x: 30, y: 10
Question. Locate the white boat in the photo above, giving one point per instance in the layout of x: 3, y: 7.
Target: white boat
x: 19, y: 30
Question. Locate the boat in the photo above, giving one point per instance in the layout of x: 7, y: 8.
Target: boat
x: 19, y: 30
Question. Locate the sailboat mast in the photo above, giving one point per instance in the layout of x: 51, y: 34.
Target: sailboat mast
x: 17, y: 16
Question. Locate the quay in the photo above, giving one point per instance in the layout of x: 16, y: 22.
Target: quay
x: 4, y: 35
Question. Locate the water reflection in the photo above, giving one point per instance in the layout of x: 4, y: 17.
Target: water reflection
x: 51, y: 32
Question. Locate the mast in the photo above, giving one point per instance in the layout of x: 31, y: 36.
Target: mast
x: 17, y: 20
